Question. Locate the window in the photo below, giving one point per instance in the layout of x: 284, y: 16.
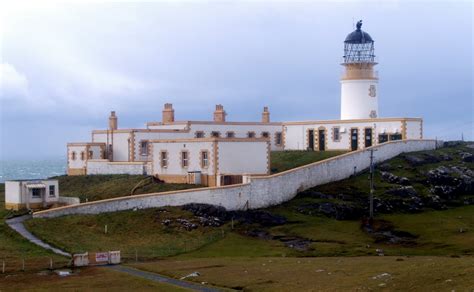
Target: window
x: 199, y: 134
x: 336, y: 137
x: 383, y: 138
x: 230, y: 134
x: 215, y: 134
x: 52, y: 191
x: 265, y: 134
x: 73, y: 155
x: 184, y: 159
x: 251, y: 134
x: 204, y: 159
x: 36, y: 193
x: 90, y: 154
x: 395, y: 136
x: 164, y: 159
x: 144, y: 148
x: 278, y: 138
x: 83, y: 155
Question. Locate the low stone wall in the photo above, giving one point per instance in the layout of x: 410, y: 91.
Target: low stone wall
x: 107, y: 167
x: 258, y: 192
x: 69, y: 200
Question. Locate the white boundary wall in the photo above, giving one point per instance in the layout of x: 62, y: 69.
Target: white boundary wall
x: 259, y: 192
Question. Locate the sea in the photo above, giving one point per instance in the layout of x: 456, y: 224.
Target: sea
x: 31, y: 169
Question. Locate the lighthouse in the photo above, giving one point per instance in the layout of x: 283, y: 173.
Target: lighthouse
x: 359, y: 81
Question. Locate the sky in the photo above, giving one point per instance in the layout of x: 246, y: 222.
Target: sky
x: 65, y: 65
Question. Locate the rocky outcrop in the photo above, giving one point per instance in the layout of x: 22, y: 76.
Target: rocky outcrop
x: 393, y: 179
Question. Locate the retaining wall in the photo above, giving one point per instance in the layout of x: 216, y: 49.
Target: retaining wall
x: 259, y: 192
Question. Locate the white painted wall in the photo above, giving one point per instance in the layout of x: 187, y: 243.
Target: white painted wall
x: 174, y: 157
x: 260, y: 192
x: 356, y: 103
x: 243, y: 157
x: 240, y: 131
x: 296, y: 137
x: 414, y: 130
x: 13, y: 192
x: 103, y: 166
x: 78, y: 162
x: 144, y: 135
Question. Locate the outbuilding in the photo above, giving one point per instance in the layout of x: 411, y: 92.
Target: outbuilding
x: 31, y: 194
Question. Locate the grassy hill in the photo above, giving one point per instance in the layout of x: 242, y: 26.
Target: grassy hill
x: 100, y: 187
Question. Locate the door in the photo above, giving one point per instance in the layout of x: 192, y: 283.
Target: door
x: 322, y: 140
x: 368, y: 137
x: 354, y: 139
x: 311, y: 140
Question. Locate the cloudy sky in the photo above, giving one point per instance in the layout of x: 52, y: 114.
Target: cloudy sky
x: 64, y: 66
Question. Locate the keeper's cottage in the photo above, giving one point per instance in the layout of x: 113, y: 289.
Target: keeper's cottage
x: 221, y: 152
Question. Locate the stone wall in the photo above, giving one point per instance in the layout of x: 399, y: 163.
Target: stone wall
x: 258, y: 192
x: 103, y: 166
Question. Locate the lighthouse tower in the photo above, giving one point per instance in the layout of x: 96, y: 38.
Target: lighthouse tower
x: 359, y: 94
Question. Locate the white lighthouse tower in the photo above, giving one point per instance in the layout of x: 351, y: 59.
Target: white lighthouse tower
x: 359, y: 94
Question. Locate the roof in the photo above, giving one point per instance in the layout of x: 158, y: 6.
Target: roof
x: 358, y: 36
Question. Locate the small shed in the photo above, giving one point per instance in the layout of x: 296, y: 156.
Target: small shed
x: 31, y: 194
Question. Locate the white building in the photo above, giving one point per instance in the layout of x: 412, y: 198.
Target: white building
x: 138, y: 151
x: 31, y: 194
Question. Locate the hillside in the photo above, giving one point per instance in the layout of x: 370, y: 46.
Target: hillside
x: 412, y: 218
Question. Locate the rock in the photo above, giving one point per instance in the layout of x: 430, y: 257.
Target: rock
x: 295, y: 242
x: 205, y: 210
x: 259, y: 233
x: 188, y: 225
x: 452, y: 143
x: 166, y: 222
x: 194, y: 274
x: 404, y: 192
x: 421, y: 159
x: 339, y: 211
x: 391, y: 178
x: 467, y: 157
x: 384, y: 167
x: 441, y: 176
x: 446, y: 157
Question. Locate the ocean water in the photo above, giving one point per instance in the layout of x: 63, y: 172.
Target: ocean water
x: 31, y: 169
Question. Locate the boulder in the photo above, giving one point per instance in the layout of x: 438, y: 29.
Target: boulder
x: 467, y: 157
x: 403, y: 192
x: 391, y: 178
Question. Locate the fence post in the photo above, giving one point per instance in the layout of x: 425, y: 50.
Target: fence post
x: 50, y: 263
x: 3, y: 267
x: 23, y: 264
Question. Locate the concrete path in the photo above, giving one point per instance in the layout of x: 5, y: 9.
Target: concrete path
x: 16, y: 224
x: 159, y: 278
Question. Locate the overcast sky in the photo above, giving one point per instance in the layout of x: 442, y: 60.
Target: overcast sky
x: 64, y: 67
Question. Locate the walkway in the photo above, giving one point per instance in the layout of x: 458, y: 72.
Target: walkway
x: 16, y: 224
x: 158, y: 278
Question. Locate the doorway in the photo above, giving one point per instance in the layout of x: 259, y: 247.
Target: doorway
x: 322, y: 139
x: 311, y: 140
x: 354, y: 139
x: 368, y: 137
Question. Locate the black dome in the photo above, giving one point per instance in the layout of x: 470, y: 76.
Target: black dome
x: 358, y: 36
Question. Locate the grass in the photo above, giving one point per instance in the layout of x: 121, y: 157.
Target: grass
x: 100, y: 187
x: 86, y: 279
x: 127, y: 231
x: 12, y: 246
x: 326, y: 274
x: 285, y: 160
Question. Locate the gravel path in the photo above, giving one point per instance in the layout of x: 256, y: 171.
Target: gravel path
x: 159, y: 278
x: 16, y: 224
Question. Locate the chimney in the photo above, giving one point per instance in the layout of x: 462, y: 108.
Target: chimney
x: 265, y: 115
x: 113, y: 121
x: 168, y: 113
x: 219, y: 114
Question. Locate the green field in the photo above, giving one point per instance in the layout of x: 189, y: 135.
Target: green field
x: 85, y: 279
x: 285, y: 160
x: 325, y: 274
x: 99, y: 187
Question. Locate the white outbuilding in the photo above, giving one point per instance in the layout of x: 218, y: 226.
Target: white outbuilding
x: 31, y: 194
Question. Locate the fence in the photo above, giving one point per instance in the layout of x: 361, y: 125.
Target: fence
x: 32, y: 264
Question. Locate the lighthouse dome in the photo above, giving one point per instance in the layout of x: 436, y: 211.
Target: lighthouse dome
x: 358, y: 36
